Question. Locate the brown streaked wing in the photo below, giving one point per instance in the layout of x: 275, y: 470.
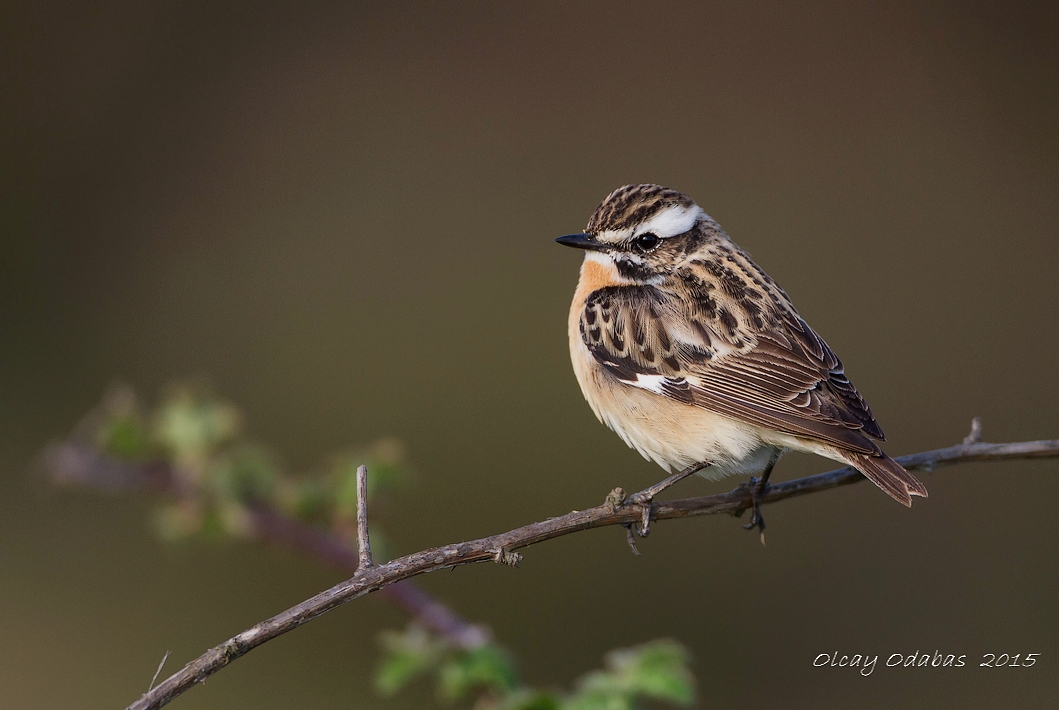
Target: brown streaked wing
x: 789, y: 380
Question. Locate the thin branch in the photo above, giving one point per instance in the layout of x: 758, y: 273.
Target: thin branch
x: 158, y: 670
x: 72, y: 463
x: 275, y: 527
x: 500, y: 548
x: 363, y: 543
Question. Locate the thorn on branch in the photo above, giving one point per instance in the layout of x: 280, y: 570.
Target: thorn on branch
x: 363, y: 544
x: 503, y: 556
x: 158, y: 670
x: 976, y: 432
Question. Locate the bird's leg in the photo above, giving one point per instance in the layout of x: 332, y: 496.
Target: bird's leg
x: 647, y: 495
x: 757, y: 492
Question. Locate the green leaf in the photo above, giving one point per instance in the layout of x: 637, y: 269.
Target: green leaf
x: 307, y: 499
x: 190, y: 424
x: 656, y: 670
x: 485, y: 668
x: 528, y: 699
x: 246, y: 473
x: 408, y: 654
x: 396, y: 670
x: 600, y: 694
x: 124, y: 436
x: 121, y: 431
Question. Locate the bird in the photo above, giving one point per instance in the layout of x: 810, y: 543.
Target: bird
x: 699, y: 361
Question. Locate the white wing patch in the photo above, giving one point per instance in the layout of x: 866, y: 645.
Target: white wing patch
x: 651, y: 383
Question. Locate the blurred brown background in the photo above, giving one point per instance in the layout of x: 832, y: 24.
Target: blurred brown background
x: 343, y: 216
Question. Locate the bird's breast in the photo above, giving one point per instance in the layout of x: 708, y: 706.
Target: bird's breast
x: 669, y: 432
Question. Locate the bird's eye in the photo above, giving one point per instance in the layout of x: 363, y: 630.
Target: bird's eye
x: 646, y: 242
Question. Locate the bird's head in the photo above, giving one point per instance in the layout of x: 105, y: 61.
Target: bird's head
x: 645, y: 231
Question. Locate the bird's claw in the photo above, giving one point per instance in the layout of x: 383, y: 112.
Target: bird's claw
x: 757, y: 490
x: 643, y: 502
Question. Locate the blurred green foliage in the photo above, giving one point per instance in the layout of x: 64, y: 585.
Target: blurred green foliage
x: 654, y: 671
x: 191, y: 425
x: 217, y: 472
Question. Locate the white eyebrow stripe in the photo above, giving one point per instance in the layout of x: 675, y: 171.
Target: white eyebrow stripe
x: 671, y: 221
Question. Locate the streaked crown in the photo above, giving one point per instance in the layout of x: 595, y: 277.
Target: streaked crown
x: 644, y: 232
x: 636, y: 209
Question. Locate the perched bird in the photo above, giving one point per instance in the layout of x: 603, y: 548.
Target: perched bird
x: 699, y: 361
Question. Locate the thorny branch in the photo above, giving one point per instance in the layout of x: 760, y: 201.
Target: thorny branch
x: 72, y: 463
x: 500, y: 548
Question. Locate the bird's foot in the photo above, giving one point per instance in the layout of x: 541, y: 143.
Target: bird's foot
x: 616, y: 500
x: 757, y: 489
x: 642, y: 500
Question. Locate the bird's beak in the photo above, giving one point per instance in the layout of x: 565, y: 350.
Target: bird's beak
x: 581, y: 241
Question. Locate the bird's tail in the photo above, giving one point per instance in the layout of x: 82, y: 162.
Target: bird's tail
x: 890, y: 476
